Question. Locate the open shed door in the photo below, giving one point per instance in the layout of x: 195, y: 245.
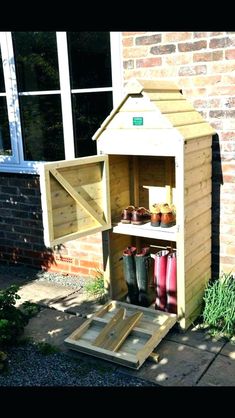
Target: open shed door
x: 75, y: 198
x: 122, y: 333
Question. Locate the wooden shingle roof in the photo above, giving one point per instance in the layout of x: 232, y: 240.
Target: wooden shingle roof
x: 173, y: 110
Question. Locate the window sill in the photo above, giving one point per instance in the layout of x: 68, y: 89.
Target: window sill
x: 30, y: 168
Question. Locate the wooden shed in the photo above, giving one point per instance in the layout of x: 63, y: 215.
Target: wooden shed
x: 154, y: 146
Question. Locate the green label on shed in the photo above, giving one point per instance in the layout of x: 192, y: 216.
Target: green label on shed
x: 138, y: 121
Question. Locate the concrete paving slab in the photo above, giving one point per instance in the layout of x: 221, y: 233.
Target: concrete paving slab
x: 52, y: 327
x: 229, y: 350
x: 196, y: 337
x: 220, y: 373
x: 43, y: 293
x: 6, y: 280
x: 78, y: 304
x: 179, y: 365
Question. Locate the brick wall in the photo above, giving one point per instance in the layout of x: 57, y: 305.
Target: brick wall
x: 21, y: 232
x: 203, y: 65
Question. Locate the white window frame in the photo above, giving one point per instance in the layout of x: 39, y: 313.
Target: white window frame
x: 16, y: 163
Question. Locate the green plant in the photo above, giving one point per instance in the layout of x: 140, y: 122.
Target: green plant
x: 12, y: 320
x: 219, y: 309
x: 95, y: 286
x: 30, y: 309
x: 46, y: 348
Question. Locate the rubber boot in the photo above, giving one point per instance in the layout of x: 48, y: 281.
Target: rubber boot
x: 144, y: 275
x: 171, y: 283
x: 160, y: 266
x: 129, y: 271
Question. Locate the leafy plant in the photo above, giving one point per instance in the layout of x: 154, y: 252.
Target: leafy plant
x: 30, y: 309
x: 12, y: 320
x: 95, y: 286
x: 219, y: 310
x: 46, y: 348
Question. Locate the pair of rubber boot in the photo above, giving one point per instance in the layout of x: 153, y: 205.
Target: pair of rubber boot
x: 165, y: 279
x: 138, y: 274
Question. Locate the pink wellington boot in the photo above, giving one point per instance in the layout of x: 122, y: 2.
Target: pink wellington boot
x: 160, y: 278
x: 171, y: 283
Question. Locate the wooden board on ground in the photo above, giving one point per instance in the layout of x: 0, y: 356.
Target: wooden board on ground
x: 122, y: 333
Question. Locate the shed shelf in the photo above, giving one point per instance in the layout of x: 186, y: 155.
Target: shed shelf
x: 146, y: 231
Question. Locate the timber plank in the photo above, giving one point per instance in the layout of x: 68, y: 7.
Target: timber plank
x: 127, y: 341
x: 116, y: 331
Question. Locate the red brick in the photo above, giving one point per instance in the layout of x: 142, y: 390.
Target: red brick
x: 214, y: 103
x: 79, y: 270
x: 200, y: 103
x: 193, y: 70
x: 228, y: 147
x: 227, y: 268
x: 225, y: 260
x: 91, y: 248
x: 163, y: 49
x: 89, y: 264
x: 229, y: 124
x: 222, y: 67
x: 217, y: 33
x: 228, y: 168
x: 94, y: 238
x: 192, y: 46
x: 204, y: 114
x: 217, y: 124
x: 230, y: 54
x: 228, y: 136
x: 230, y: 219
x: 228, y: 229
x: 176, y: 36
x: 148, y: 40
x: 222, y: 114
x: 200, y: 34
x: 194, y: 92
x: 177, y: 59
x: 148, y: 62
x: 128, y: 41
x: 135, y: 52
x: 208, y: 56
x: 227, y: 178
x: 60, y: 266
x: 222, y: 90
x: 206, y: 80
x: 131, y: 33
x: 220, y: 42
x: 128, y: 64
x: 228, y: 78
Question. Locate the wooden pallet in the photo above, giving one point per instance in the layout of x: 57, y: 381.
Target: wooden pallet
x: 122, y: 333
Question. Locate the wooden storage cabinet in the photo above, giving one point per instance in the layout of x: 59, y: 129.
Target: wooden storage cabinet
x: 130, y: 180
x: 153, y: 147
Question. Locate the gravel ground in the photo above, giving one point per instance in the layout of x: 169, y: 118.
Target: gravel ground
x: 29, y: 274
x: 57, y: 369
x: 27, y: 366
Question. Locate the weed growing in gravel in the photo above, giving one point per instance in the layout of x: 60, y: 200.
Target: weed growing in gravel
x: 46, y: 348
x: 95, y: 286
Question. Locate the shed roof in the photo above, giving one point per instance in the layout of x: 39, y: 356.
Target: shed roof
x: 172, y: 108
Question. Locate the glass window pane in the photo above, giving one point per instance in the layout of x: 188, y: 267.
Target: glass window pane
x: 90, y: 59
x: 36, y: 61
x: 2, y: 83
x: 5, y: 142
x: 41, y: 120
x: 89, y: 111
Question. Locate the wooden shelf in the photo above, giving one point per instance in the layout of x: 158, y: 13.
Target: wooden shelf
x: 146, y: 230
